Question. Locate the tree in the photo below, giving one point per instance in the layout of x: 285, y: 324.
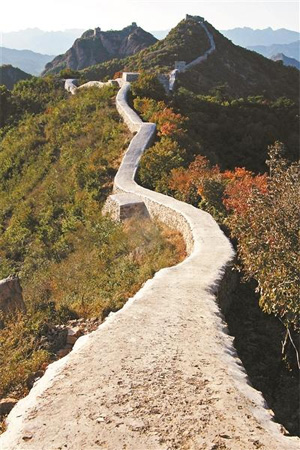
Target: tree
x: 267, y: 227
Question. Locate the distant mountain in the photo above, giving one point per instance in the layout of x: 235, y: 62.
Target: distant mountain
x: 230, y: 69
x: 286, y: 61
x: 96, y: 46
x: 10, y: 75
x: 45, y: 42
x: 26, y: 60
x: 291, y: 50
x: 247, y: 37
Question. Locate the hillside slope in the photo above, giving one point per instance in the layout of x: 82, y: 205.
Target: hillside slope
x: 57, y: 165
x: 96, y: 46
x: 10, y: 75
x: 26, y: 60
x: 240, y: 71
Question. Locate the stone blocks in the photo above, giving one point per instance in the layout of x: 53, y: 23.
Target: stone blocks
x: 130, y: 76
x: 125, y: 206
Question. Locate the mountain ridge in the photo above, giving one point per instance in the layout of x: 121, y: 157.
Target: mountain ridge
x: 246, y: 36
x: 286, y: 60
x: 237, y: 71
x: 96, y: 46
x: 40, y: 41
x: 26, y: 60
x: 10, y: 75
x: 292, y: 50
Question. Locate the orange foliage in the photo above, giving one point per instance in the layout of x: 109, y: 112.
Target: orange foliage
x: 117, y: 75
x: 240, y: 187
x: 168, y: 122
x: 199, y: 171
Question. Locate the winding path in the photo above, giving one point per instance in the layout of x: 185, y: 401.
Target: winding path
x: 199, y: 60
x: 162, y: 373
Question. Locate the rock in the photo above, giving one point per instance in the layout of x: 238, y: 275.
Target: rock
x: 91, y: 49
x: 63, y: 352
x: 6, y: 405
x: 33, y: 377
x: 27, y: 436
x: 11, y: 298
x: 61, y: 338
x: 73, y: 335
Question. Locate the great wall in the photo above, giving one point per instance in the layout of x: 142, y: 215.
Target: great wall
x: 162, y: 373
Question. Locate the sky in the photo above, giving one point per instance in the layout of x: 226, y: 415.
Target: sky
x: 151, y: 15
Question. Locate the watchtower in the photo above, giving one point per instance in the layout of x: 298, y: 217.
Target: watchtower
x: 196, y: 18
x: 97, y: 32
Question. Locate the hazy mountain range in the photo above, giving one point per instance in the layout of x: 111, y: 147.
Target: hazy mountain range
x: 291, y: 50
x: 46, y: 42
x: 26, y: 60
x: 246, y: 37
x: 286, y: 61
x: 57, y: 42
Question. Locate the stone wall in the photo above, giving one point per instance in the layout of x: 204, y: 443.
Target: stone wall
x: 181, y: 66
x: 191, y: 222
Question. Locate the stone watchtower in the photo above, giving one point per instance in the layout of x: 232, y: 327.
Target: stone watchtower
x: 97, y: 32
x: 196, y: 18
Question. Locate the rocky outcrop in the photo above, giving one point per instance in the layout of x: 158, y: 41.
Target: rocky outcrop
x: 96, y: 46
x: 11, y: 298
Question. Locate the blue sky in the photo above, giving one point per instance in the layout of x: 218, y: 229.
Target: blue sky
x: 150, y: 15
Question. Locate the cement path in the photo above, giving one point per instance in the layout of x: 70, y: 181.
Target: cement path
x: 161, y: 374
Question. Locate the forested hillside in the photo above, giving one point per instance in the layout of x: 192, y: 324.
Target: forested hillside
x: 236, y: 71
x: 10, y: 75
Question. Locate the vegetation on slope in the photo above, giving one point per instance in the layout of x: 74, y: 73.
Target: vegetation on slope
x: 260, y: 212
x: 236, y: 197
x: 235, y: 70
x: 28, y: 97
x: 10, y: 75
x: 57, y: 168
